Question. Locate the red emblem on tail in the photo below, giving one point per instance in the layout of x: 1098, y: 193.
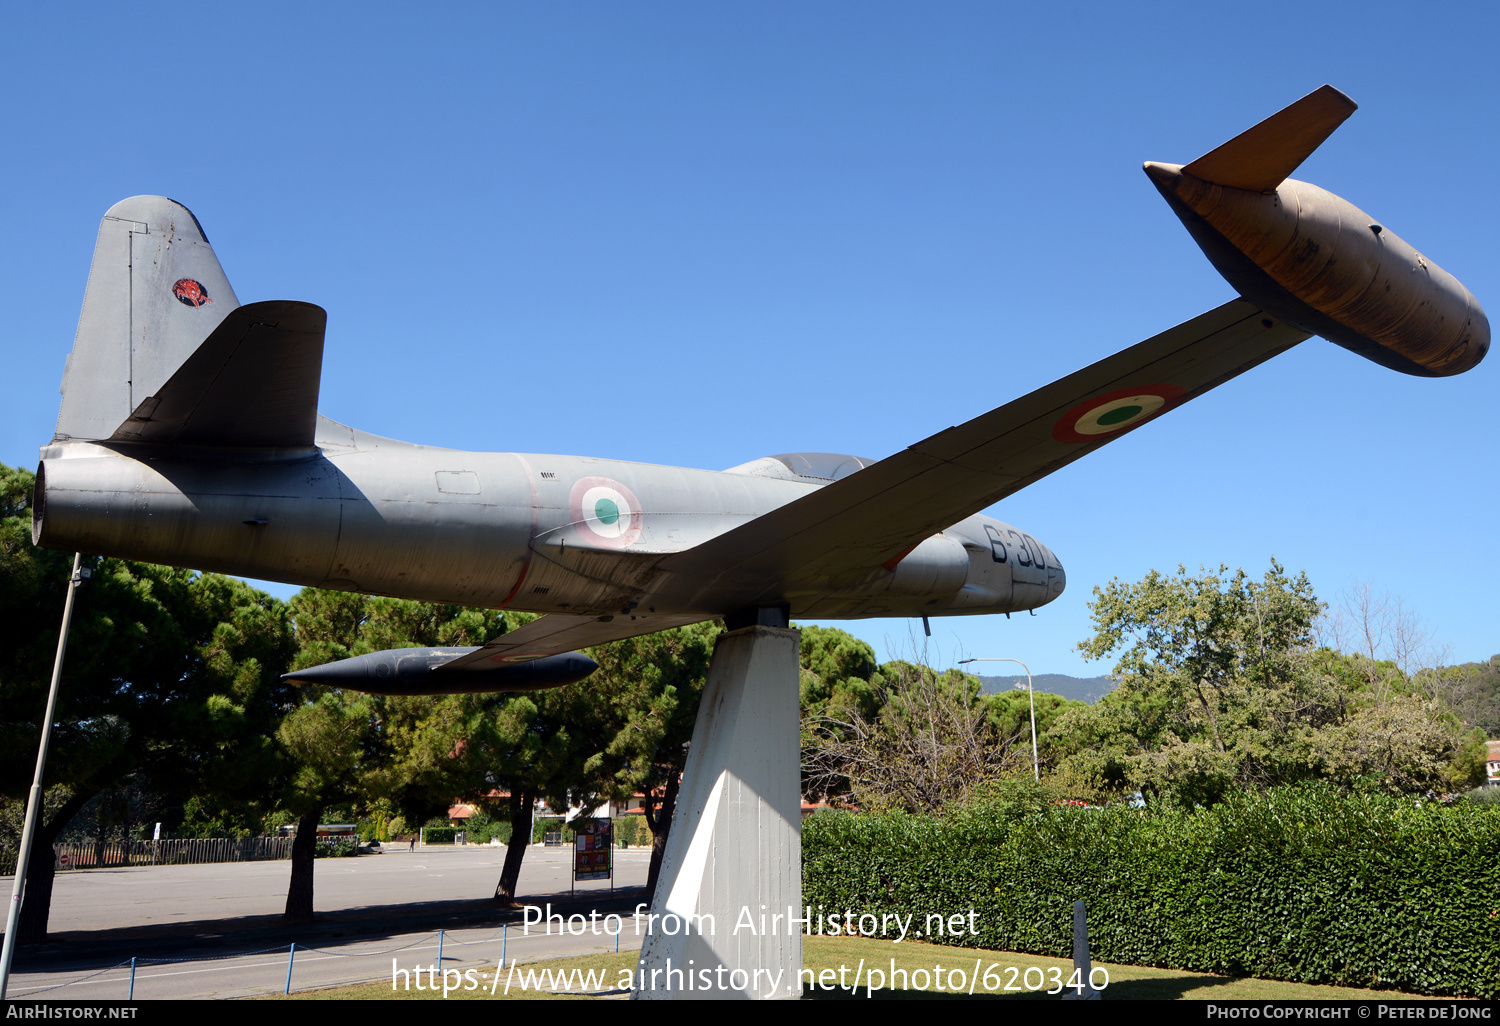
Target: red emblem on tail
x: 190, y: 292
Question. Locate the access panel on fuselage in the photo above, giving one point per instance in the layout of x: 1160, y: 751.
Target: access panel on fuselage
x: 433, y: 524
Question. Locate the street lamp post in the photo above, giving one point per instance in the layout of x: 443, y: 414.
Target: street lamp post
x: 1036, y: 762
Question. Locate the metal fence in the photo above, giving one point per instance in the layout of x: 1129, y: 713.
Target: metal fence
x: 177, y: 851
x: 490, y: 962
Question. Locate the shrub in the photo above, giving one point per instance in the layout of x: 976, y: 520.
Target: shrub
x: 482, y: 827
x: 632, y: 831
x: 1298, y: 883
x: 335, y: 849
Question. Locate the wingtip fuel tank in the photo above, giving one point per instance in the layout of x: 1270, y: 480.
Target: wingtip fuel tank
x: 1316, y: 260
x: 419, y: 671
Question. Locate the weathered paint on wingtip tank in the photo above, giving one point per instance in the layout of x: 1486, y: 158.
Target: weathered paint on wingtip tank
x: 1318, y: 261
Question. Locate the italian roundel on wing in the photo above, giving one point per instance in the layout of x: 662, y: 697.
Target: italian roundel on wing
x: 606, y: 512
x: 1093, y: 420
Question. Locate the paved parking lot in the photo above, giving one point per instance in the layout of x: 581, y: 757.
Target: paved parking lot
x: 368, y: 908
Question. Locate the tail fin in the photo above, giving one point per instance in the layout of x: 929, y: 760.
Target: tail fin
x: 1261, y: 158
x: 155, y: 292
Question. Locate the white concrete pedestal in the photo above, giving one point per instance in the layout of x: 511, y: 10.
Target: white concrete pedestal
x: 731, y: 876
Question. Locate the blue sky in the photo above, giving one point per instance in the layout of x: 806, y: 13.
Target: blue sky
x: 695, y: 234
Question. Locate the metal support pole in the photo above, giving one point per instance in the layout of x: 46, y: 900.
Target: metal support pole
x: 1083, y: 969
x: 440, y: 949
x: 1036, y: 762
x: 290, y: 958
x: 504, y: 936
x: 34, y: 799
x: 131, y: 996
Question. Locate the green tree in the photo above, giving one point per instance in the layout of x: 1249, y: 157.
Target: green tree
x: 1472, y: 691
x: 171, y: 677
x: 334, y: 747
x: 346, y: 747
x: 931, y: 742
x: 1399, y: 733
x: 520, y: 751
x: 1223, y: 687
x: 634, y: 718
x: 1009, y: 712
x: 621, y: 731
x: 838, y: 672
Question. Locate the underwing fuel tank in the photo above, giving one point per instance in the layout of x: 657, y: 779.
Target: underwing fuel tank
x: 1316, y: 260
x: 418, y: 671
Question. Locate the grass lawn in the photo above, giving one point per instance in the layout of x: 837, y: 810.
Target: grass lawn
x: 595, y: 976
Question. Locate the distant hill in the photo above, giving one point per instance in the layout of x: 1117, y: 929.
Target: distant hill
x: 1080, y: 689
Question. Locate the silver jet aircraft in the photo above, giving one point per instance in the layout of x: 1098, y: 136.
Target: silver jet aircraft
x: 189, y: 434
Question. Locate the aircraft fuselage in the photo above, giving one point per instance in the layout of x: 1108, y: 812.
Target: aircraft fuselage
x: 539, y: 533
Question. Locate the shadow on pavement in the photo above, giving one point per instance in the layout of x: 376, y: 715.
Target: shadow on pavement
x: 358, y: 925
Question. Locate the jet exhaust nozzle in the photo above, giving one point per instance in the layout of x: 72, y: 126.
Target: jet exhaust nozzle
x: 419, y: 671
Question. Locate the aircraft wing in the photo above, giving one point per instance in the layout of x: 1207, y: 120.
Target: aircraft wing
x: 560, y: 632
x: 873, y: 517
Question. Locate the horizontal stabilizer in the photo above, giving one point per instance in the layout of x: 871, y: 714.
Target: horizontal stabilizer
x: 1261, y: 158
x: 253, y: 382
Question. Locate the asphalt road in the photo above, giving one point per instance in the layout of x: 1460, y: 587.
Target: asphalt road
x: 214, y: 931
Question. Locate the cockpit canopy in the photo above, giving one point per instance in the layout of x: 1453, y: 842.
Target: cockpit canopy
x: 809, y: 467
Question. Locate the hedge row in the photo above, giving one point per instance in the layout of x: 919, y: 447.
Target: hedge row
x: 1296, y: 884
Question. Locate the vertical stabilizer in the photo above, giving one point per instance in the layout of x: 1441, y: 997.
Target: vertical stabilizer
x: 155, y: 292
